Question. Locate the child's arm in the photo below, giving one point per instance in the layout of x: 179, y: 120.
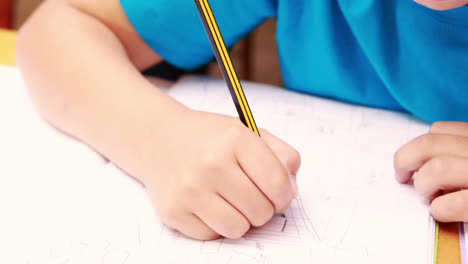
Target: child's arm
x: 440, y: 159
x: 207, y: 174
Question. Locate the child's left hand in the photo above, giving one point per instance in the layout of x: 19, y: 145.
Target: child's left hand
x: 440, y: 159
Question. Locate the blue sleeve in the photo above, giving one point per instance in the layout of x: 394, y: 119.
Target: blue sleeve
x: 173, y: 28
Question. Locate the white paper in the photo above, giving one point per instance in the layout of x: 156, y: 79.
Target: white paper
x: 63, y: 203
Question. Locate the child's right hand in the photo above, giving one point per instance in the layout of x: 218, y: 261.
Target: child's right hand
x: 209, y: 175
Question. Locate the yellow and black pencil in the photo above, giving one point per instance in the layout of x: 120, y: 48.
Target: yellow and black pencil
x: 225, y: 64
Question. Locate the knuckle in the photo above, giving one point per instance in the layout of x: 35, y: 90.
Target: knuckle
x: 263, y: 217
x: 436, y: 126
x: 170, y: 213
x: 209, y: 166
x: 209, y: 163
x: 436, y: 167
x: 236, y: 231
x: 429, y: 177
x: 425, y: 141
x: 234, y: 132
x: 423, y: 186
x: 418, y: 183
x: 189, y: 183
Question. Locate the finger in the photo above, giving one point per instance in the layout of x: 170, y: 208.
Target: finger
x: 442, y: 173
x: 191, y: 226
x: 241, y: 192
x: 222, y: 217
x: 289, y: 156
x: 418, y: 151
x: 451, y: 207
x: 262, y: 166
x: 450, y: 128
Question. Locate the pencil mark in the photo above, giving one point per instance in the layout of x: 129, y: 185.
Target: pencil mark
x: 139, y: 235
x: 269, y: 240
x: 348, y: 225
x: 306, y: 218
x: 261, y: 259
x: 220, y: 243
x: 271, y: 235
x: 259, y: 245
x: 285, y: 221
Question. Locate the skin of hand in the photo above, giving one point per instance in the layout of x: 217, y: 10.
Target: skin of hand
x: 438, y: 161
x: 207, y: 174
x: 214, y: 177
x: 442, y: 4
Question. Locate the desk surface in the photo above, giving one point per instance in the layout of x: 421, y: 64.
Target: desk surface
x: 448, y: 249
x: 7, y: 43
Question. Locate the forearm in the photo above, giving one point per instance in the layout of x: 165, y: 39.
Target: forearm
x: 83, y: 82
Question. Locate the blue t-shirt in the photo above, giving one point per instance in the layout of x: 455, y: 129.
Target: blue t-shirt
x: 389, y: 54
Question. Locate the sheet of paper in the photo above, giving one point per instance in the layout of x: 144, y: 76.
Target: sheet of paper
x: 63, y: 203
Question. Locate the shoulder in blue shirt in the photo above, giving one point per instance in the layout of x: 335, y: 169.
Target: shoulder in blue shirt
x: 388, y: 54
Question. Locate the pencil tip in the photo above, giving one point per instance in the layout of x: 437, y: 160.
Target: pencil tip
x: 280, y: 215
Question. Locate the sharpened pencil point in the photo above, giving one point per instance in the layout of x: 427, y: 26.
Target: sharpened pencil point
x: 280, y: 215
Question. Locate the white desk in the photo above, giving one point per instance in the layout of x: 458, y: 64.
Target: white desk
x: 63, y: 202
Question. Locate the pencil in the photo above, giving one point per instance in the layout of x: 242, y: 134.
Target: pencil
x: 226, y: 66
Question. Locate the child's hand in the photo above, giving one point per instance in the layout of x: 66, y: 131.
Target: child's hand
x: 440, y: 159
x: 207, y: 174
x: 212, y: 176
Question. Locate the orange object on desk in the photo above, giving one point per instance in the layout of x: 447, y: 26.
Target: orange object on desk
x: 7, y: 47
x: 448, y: 251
